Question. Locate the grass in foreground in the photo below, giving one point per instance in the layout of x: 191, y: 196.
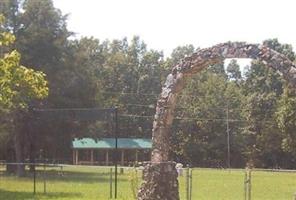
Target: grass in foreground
x: 229, y: 185
x: 94, y: 183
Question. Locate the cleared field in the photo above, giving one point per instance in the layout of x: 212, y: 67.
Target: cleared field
x: 94, y: 183
x: 229, y: 185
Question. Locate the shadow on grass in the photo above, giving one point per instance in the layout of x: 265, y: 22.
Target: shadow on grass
x: 9, y: 195
x: 71, y: 176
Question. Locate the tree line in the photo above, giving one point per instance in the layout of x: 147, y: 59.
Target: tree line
x: 256, y: 105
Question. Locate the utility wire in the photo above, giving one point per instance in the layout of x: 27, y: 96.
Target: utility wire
x: 148, y: 116
x: 130, y: 93
x: 155, y: 95
x: 68, y: 109
x: 144, y: 105
x: 153, y: 106
x: 184, y: 95
x: 189, y: 118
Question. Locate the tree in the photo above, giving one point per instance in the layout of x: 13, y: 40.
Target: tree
x: 129, y: 71
x: 19, y: 85
x: 42, y: 41
x: 262, y: 89
x: 10, y: 9
x: 218, y: 69
x: 233, y: 71
x: 181, y: 52
x: 286, y: 119
x: 202, y: 139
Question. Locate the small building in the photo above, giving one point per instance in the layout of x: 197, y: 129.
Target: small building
x: 102, y: 151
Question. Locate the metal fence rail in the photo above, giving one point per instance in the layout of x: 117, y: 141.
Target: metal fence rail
x: 97, y: 182
x: 233, y: 184
x: 48, y: 179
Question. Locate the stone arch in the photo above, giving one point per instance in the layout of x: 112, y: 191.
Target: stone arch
x: 159, y: 176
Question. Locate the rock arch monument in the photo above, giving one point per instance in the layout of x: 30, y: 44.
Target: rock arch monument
x: 160, y: 176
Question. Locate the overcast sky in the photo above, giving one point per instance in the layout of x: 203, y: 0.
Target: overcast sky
x: 166, y: 24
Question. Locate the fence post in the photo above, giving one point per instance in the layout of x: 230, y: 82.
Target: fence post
x: 34, y: 179
x: 295, y: 196
x: 245, y: 184
x: 137, y: 180
x: 250, y: 183
x: 44, y: 178
x: 190, y: 194
x: 111, y: 192
x: 187, y: 183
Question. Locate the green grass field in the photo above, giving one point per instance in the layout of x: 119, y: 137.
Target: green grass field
x: 94, y: 183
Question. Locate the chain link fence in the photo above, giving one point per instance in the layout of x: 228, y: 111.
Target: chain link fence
x: 235, y: 184
x: 56, y: 181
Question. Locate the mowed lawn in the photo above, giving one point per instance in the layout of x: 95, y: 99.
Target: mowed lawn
x: 94, y: 183
x: 229, y: 185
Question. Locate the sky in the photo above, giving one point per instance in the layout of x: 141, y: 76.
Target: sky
x: 166, y: 24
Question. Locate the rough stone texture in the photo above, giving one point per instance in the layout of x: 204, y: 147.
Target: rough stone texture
x: 191, y: 65
x: 195, y: 63
x: 165, y: 175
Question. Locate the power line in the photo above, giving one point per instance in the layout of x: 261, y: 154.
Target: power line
x: 152, y: 106
x: 136, y: 116
x: 180, y: 107
x: 68, y: 109
x: 189, y: 118
x: 146, y: 116
x: 217, y: 108
x: 157, y: 95
x: 182, y: 95
x: 140, y: 105
x: 131, y: 93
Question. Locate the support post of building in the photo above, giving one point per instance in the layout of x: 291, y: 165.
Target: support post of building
x: 73, y: 157
x: 107, y: 157
x: 122, y: 157
x: 137, y: 156
x: 91, y: 156
x: 77, y: 157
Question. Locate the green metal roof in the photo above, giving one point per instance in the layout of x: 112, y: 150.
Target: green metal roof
x: 109, y: 143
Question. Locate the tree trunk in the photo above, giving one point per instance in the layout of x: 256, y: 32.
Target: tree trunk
x: 10, y: 159
x: 160, y: 182
x: 19, y: 153
x: 32, y: 157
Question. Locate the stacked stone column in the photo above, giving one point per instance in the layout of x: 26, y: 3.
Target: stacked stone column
x: 160, y: 182
x: 160, y: 175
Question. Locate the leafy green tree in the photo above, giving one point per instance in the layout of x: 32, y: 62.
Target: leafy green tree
x: 286, y: 119
x: 87, y: 72
x: 262, y: 89
x: 233, y: 71
x: 132, y: 80
x: 10, y: 9
x: 42, y: 41
x: 19, y: 85
x: 181, y: 52
x: 203, y: 137
x: 218, y: 69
